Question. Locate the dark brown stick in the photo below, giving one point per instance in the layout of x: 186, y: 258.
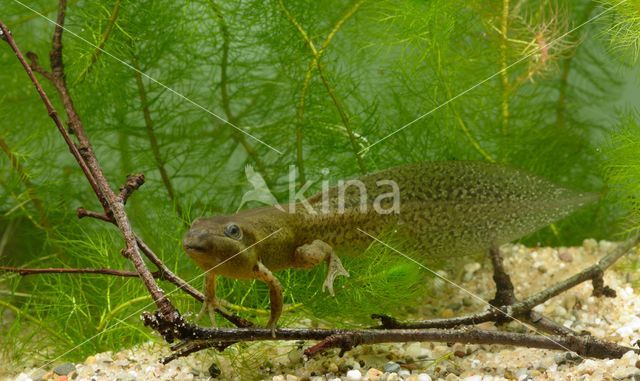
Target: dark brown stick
x: 51, y: 110
x: 346, y: 339
x: 505, y: 294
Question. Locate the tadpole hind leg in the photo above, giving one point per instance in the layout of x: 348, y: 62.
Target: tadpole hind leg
x: 312, y: 254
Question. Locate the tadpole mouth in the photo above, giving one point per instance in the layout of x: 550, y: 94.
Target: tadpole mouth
x: 196, y: 241
x: 193, y: 247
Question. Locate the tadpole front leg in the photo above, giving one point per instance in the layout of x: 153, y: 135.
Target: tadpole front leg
x: 275, y: 294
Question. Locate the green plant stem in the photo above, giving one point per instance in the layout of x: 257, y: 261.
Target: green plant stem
x: 463, y: 126
x: 504, y: 74
x: 21, y: 313
x: 24, y: 178
x: 561, y: 107
x: 153, y: 140
x: 105, y: 320
x: 226, y: 99
x: 113, y: 17
x: 316, y: 64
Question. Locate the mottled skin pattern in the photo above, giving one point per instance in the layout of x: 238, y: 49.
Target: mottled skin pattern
x: 445, y: 209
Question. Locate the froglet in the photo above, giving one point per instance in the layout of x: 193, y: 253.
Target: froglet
x: 448, y: 208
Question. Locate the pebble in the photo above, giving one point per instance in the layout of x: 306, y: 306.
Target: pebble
x: 447, y: 313
x: 90, y: 360
x: 565, y: 256
x: 291, y: 377
x: 470, y: 269
x: 295, y: 356
x: 590, y: 245
x: 214, y: 370
x: 413, y: 350
x: 391, y: 367
x: 392, y: 377
x: 354, y: 375
x: 522, y: 374
x: 404, y: 373
x: 374, y: 374
x: 566, y: 357
x: 626, y: 373
x: 629, y: 328
x: 64, y: 369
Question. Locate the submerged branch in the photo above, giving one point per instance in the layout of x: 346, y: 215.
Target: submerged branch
x: 194, y: 338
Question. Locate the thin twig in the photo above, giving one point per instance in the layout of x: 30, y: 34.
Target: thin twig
x: 64, y: 270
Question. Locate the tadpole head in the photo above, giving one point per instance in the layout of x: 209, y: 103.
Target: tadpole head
x: 211, y: 241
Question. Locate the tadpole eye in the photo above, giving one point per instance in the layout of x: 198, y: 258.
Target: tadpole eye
x: 233, y: 231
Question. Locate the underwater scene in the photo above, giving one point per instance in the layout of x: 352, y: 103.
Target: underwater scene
x: 320, y: 190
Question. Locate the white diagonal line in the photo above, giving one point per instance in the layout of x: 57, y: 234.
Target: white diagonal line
x: 223, y: 120
x: 545, y: 46
x: 151, y: 304
x: 468, y: 292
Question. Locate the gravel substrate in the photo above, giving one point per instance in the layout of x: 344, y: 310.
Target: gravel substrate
x: 615, y: 319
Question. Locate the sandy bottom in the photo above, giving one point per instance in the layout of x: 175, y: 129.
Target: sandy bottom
x: 615, y: 319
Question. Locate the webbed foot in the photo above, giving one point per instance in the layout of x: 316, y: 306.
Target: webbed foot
x: 334, y: 269
x: 312, y: 254
x: 211, y: 302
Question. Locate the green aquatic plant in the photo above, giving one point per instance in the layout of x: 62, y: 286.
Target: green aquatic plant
x: 336, y: 88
